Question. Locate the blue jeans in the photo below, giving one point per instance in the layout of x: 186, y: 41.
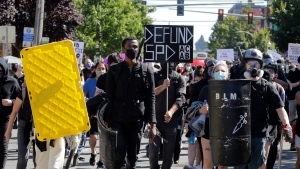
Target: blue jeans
x: 169, y: 136
x: 258, y: 154
x: 24, y: 129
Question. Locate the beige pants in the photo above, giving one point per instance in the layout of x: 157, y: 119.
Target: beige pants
x: 53, y: 158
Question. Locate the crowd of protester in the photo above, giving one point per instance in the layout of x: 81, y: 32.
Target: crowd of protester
x: 133, y: 104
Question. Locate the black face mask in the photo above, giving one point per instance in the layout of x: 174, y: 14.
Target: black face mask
x: 131, y: 53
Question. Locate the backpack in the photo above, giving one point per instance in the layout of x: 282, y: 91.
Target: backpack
x: 93, y: 104
x: 101, y: 105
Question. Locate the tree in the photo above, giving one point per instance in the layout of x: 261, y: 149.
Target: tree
x: 260, y: 40
x: 226, y: 34
x: 285, y: 15
x: 201, y: 44
x: 109, y: 22
x: 235, y: 31
x: 61, y: 17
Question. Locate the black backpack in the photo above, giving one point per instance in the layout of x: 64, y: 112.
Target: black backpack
x: 93, y: 103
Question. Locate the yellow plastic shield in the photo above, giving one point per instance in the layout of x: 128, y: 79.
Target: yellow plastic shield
x: 55, y: 94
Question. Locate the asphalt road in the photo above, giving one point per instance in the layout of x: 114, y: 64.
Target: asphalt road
x: 288, y: 157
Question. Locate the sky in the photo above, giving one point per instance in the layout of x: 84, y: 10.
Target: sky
x: 202, y: 22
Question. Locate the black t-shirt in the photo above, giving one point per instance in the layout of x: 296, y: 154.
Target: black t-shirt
x: 20, y: 80
x: 196, y: 89
x: 86, y: 73
x: 25, y: 113
x: 177, y: 86
x: 101, y: 82
x: 281, y: 75
x: 293, y: 76
x: 264, y: 96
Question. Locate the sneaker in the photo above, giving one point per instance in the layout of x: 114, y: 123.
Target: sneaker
x: 198, y: 167
x: 93, y: 159
x: 100, y: 165
x: 188, y: 167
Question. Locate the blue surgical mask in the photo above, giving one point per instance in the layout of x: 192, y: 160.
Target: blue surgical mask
x: 219, y: 75
x: 88, y: 64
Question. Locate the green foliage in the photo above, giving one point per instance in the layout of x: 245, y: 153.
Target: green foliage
x: 109, y: 22
x: 260, y: 40
x: 235, y: 31
x: 226, y: 34
x: 201, y: 44
x: 61, y: 17
x: 285, y: 15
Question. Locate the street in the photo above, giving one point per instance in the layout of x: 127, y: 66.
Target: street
x: 288, y: 157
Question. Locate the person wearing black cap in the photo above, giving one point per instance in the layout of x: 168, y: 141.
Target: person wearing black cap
x: 9, y: 89
x: 274, y: 123
x: 167, y: 120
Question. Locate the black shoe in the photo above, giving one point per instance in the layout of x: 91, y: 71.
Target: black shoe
x: 93, y: 159
x: 100, y: 165
x: 176, y: 162
x: 293, y: 148
x: 75, y: 160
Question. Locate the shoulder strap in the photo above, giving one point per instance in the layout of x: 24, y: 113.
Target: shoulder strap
x: 144, y: 71
x: 118, y: 70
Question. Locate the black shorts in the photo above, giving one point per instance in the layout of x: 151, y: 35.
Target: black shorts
x: 206, y: 129
x: 94, y: 126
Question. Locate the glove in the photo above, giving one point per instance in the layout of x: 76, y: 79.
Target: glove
x: 287, y: 133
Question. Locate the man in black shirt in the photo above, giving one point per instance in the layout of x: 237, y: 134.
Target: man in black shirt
x: 9, y: 89
x: 131, y: 102
x: 167, y: 118
x: 264, y: 96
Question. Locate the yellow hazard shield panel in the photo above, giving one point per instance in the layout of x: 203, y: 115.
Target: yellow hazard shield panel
x: 55, y: 94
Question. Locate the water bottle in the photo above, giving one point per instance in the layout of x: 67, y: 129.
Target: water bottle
x: 192, y: 138
x: 204, y: 103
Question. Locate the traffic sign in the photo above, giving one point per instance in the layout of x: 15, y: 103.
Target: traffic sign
x: 11, y: 31
x: 28, y: 36
x: 78, y: 46
x: 168, y: 43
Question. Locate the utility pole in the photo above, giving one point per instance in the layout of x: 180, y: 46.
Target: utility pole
x: 39, y: 22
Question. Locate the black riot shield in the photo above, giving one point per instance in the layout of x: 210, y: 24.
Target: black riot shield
x: 230, y: 122
x: 108, y: 146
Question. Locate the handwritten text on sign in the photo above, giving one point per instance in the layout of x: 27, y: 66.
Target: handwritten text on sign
x: 168, y: 43
x: 293, y: 52
x: 225, y: 54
